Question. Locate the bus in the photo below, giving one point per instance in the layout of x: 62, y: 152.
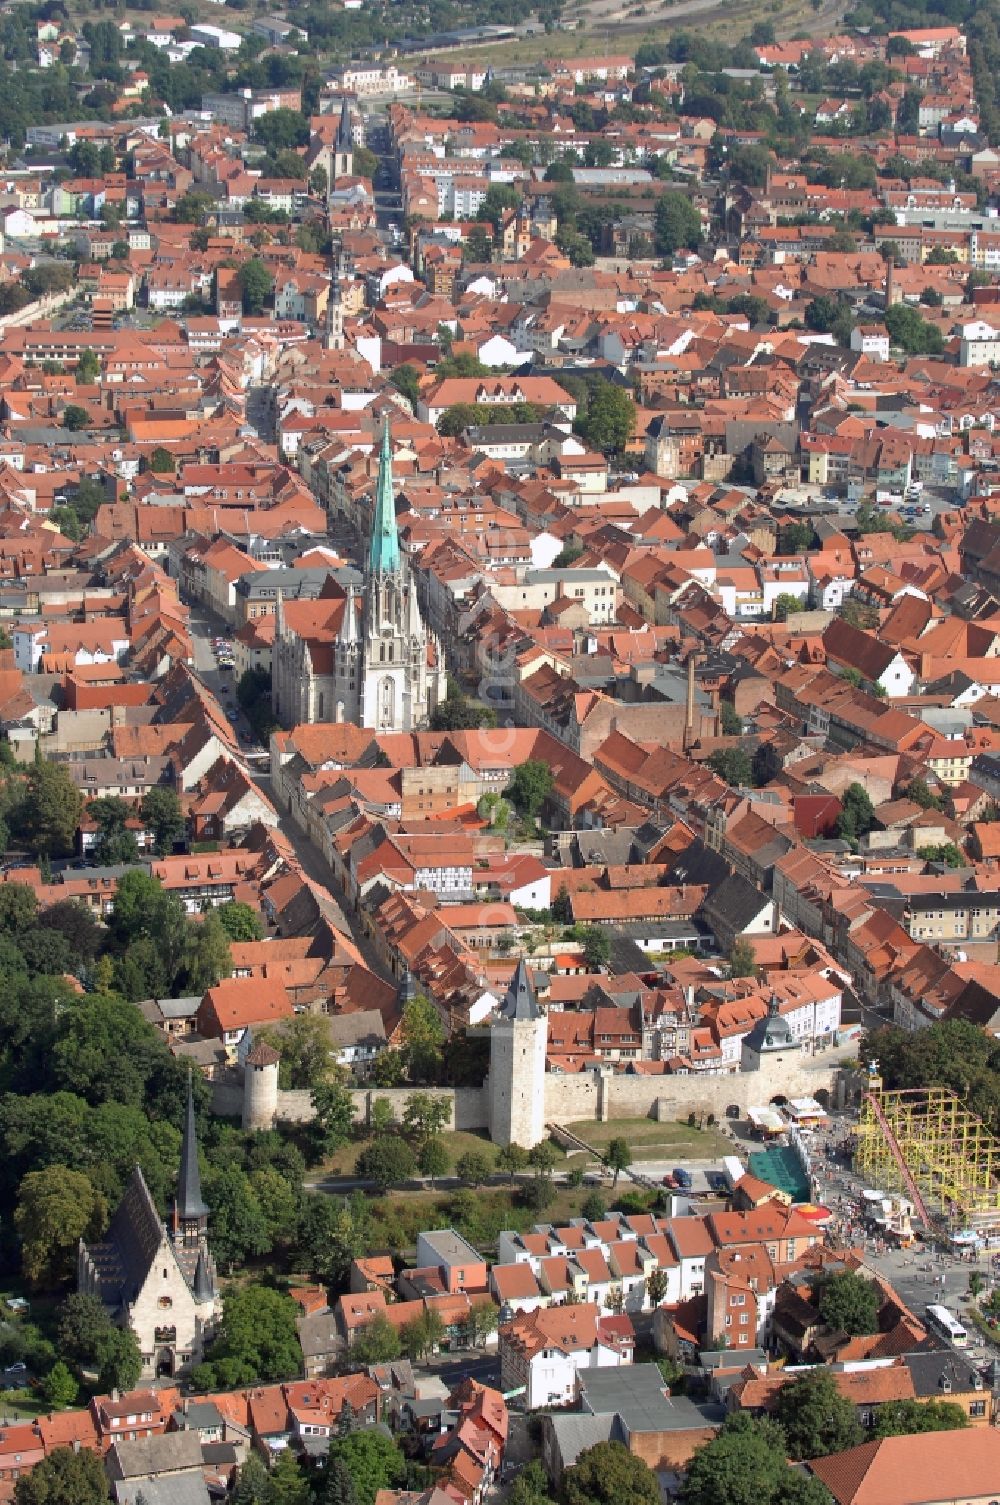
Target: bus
x: 944, y: 1323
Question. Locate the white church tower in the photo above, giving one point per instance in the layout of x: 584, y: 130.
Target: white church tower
x: 388, y: 669
x: 518, y: 1040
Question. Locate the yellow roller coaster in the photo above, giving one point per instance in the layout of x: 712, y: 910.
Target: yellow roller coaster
x: 926, y: 1142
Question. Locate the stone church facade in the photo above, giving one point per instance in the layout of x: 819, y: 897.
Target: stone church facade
x: 376, y: 664
x: 158, y: 1281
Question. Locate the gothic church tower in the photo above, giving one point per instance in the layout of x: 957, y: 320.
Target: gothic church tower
x: 389, y: 670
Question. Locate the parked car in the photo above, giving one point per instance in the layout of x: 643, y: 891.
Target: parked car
x: 682, y: 1178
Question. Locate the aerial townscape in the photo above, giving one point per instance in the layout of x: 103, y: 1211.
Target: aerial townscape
x: 500, y: 753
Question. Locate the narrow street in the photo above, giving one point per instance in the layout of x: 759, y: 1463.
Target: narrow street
x: 204, y: 627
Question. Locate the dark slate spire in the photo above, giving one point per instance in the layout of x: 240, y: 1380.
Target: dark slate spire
x: 204, y: 1285
x: 520, y: 1002
x: 190, y: 1206
x: 345, y: 131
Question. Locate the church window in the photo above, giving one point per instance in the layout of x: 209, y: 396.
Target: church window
x: 165, y: 1301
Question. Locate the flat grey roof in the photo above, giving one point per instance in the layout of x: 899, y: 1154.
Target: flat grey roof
x: 637, y: 1393
x: 451, y: 1247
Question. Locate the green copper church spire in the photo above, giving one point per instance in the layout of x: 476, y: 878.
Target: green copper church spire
x: 383, y: 552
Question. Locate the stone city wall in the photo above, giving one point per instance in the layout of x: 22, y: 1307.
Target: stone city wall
x: 575, y: 1099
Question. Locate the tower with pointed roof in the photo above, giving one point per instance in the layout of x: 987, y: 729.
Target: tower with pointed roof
x: 389, y: 669
x: 156, y: 1279
x: 376, y: 663
x: 343, y: 149
x: 518, y: 1040
x: 333, y: 339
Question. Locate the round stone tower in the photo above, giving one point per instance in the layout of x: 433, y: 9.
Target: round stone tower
x: 260, y: 1087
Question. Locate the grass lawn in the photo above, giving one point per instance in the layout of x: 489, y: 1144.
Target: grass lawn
x: 23, y: 1405
x: 649, y: 1136
x: 457, y: 1142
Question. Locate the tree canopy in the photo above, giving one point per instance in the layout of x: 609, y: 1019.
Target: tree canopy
x: 608, y: 1474
x: 815, y: 1417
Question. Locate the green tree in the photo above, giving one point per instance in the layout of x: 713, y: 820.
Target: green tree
x: 377, y: 1342
x: 241, y: 922
x: 18, y: 908
x: 943, y: 851
x: 531, y: 784
x: 59, y: 1387
x: 56, y: 1208
x: 334, y: 1107
x: 742, y: 958
x: 609, y: 421
x: 657, y: 1284
x: 473, y: 1167
x: 733, y: 766
x: 114, y: 843
x: 511, y: 1158
x: 373, y: 1461
x: 288, y: 1484
x: 425, y: 1115
x: 608, y: 1474
x: 423, y: 1335
x: 786, y: 605
x: 208, y: 958
x: 74, y: 417
x: 458, y: 714
x: 239, y: 1228
x: 730, y: 719
x: 537, y: 1195
x: 923, y: 795
x: 484, y: 1318
x: 911, y: 332
x: 119, y: 1362
x: 82, y: 1323
x: 162, y: 462
x: 257, y: 1341
x: 88, y: 369
x: 282, y: 130
x: 594, y: 1207
x: 422, y: 1035
x: 255, y: 283
x: 478, y: 246
x: 303, y: 1043
x: 387, y: 1162
x: 902, y: 1418
x: 531, y: 1486
x: 456, y: 419
x: 618, y: 1157
x: 496, y: 201
x: 815, y: 1417
x: 338, y: 1484
x: 381, y: 1116
x: 850, y: 1304
x: 542, y: 1159
x: 433, y: 1159
x: 406, y: 380
x: 746, y: 1465
x: 596, y: 947
x: 252, y: 1484
x: 677, y: 224
x: 857, y: 813
x: 65, y: 1477
x: 51, y: 810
